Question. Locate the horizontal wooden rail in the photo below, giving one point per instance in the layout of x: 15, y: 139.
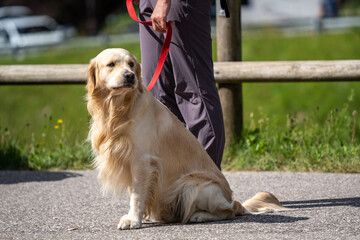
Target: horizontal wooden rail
x: 225, y: 72
x: 43, y: 74
x: 290, y: 71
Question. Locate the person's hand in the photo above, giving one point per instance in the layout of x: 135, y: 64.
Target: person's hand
x: 159, y: 15
x: 136, y: 2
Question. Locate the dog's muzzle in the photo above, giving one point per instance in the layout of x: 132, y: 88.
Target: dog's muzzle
x: 129, y: 79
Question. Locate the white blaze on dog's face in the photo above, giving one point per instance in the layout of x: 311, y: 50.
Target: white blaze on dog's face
x: 114, y: 69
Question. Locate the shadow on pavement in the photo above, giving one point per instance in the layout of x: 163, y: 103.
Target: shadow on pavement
x: 269, y: 218
x: 260, y: 218
x: 13, y: 177
x: 353, y: 202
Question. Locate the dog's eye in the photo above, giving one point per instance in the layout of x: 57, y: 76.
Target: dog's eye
x: 111, y: 65
x: 131, y: 64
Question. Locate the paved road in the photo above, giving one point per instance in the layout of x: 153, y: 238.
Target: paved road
x: 45, y: 205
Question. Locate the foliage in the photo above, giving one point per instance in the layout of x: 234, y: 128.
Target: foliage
x: 54, y: 149
x: 305, y: 144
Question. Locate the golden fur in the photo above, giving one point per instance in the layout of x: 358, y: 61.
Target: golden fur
x: 141, y: 146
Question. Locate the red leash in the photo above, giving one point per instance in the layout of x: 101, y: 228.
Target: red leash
x: 165, y: 48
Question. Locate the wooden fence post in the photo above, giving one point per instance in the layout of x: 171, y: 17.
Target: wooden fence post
x: 228, y: 31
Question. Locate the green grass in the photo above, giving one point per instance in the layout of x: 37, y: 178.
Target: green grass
x: 279, y: 99
x: 28, y: 114
x: 67, y: 55
x: 39, y: 154
x: 271, y: 45
x: 305, y: 144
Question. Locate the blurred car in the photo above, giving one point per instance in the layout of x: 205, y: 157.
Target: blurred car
x: 31, y: 31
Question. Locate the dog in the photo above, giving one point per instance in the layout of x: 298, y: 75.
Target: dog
x: 141, y: 146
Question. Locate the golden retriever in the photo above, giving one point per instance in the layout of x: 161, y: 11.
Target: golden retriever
x: 141, y: 146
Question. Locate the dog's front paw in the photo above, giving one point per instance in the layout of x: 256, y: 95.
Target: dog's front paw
x: 129, y: 222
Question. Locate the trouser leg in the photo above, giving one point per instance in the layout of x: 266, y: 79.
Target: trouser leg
x: 186, y: 85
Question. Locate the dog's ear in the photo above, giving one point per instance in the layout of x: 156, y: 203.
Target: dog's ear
x: 91, y: 77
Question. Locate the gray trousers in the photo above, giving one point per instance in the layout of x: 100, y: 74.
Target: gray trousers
x: 186, y: 85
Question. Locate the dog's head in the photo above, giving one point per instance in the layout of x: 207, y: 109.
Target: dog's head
x: 114, y: 71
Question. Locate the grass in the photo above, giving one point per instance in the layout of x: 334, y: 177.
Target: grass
x: 287, y: 125
x: 76, y: 55
x: 306, y: 144
x: 55, y: 148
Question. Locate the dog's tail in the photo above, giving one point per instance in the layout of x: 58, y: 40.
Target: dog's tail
x: 262, y: 202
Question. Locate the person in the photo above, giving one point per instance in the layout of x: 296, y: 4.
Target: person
x: 328, y: 8
x: 186, y: 85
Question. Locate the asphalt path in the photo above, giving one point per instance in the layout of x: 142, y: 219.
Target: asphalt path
x: 69, y: 205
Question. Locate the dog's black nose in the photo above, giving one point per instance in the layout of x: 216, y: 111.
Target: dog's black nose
x: 129, y: 78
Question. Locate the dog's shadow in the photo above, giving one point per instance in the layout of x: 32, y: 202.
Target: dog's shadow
x: 274, y: 218
x: 260, y: 218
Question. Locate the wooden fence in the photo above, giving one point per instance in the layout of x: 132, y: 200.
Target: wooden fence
x: 226, y: 74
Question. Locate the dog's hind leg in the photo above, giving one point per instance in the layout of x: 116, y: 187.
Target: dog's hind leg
x: 198, y: 197
x: 211, y: 205
x: 202, y: 216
